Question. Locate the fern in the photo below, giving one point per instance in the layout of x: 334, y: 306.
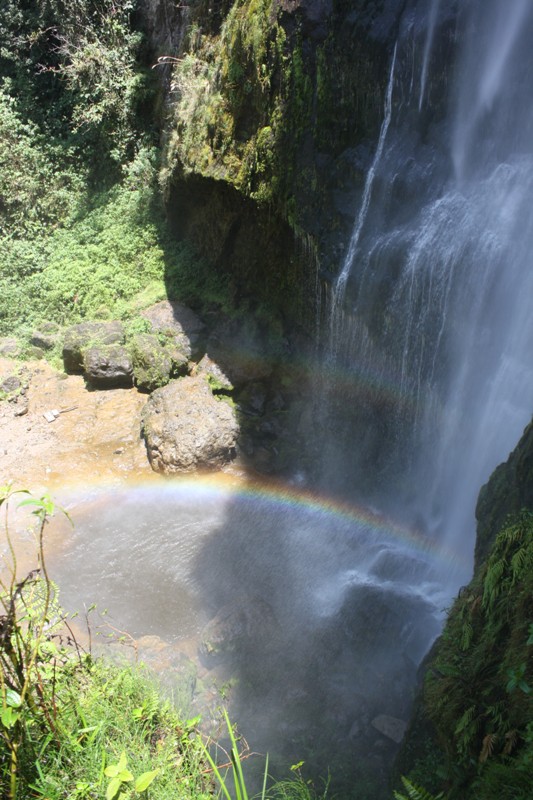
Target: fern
x: 488, y: 747
x: 493, y: 582
x: 465, y: 720
x: 467, y: 634
x: 511, y: 740
x: 415, y: 792
x: 519, y: 562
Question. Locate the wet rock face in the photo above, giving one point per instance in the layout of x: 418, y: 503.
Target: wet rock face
x: 314, y: 15
x: 187, y: 428
x: 239, y: 353
x: 242, y: 623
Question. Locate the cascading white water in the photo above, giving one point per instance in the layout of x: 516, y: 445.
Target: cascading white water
x: 431, y: 24
x: 340, y: 283
x: 487, y: 73
x: 441, y: 278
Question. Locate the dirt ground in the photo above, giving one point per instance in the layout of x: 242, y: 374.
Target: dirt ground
x: 96, y: 437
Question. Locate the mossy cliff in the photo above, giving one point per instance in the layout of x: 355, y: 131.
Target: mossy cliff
x: 266, y: 101
x: 472, y: 731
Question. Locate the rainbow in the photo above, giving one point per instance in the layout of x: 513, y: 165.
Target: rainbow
x: 372, y: 379
x: 274, y: 494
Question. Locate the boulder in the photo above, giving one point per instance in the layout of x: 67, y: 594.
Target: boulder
x: 34, y: 352
x: 78, y: 338
x: 215, y: 375
x: 10, y: 384
x: 391, y: 727
x: 239, y: 625
x: 187, y: 428
x: 108, y: 366
x: 46, y: 337
x: 9, y: 347
x: 177, y: 322
x: 155, y: 363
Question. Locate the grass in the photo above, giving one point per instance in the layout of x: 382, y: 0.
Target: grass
x: 108, y: 711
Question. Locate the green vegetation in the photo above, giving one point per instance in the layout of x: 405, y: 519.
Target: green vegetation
x: 105, y: 258
x: 243, y: 103
x: 479, y: 686
x: 225, y: 120
x: 415, y: 792
x: 74, y: 70
x: 113, y: 258
x: 82, y: 226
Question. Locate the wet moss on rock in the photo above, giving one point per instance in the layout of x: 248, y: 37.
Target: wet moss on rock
x: 472, y: 726
x: 509, y: 489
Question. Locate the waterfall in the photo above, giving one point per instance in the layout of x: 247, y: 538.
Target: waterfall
x: 487, y: 69
x: 436, y: 288
x: 432, y: 21
x: 340, y: 284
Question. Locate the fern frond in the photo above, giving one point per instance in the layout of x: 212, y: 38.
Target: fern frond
x: 511, y: 739
x: 488, y: 747
x: 415, y: 792
x: 467, y: 634
x: 465, y: 720
x: 518, y: 561
x: 492, y: 584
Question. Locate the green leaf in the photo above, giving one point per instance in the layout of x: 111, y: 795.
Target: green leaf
x: 113, y: 788
x: 13, y: 699
x: 111, y: 771
x: 9, y: 717
x: 143, y: 781
x: 125, y: 776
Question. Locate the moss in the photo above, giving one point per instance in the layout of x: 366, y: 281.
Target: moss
x: 509, y: 489
x: 478, y: 691
x: 225, y: 114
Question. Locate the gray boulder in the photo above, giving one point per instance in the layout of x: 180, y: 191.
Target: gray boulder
x: 187, y: 428
x: 10, y: 384
x: 178, y: 323
x: 46, y: 337
x: 9, y: 347
x: 215, y: 375
x: 108, y: 366
x: 391, y: 727
x: 155, y: 363
x: 78, y: 338
x: 239, y: 625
